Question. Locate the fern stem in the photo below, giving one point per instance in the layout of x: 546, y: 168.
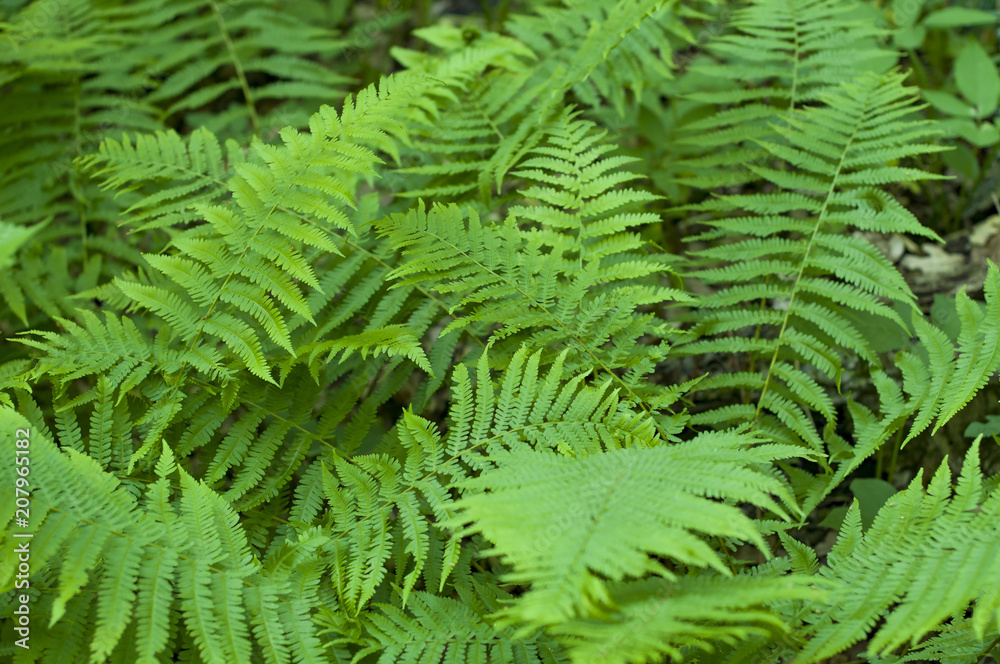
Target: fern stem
x: 895, y: 455
x: 238, y: 65
x: 805, y: 256
x: 989, y: 649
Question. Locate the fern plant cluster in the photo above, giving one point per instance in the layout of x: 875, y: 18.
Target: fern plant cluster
x: 305, y: 369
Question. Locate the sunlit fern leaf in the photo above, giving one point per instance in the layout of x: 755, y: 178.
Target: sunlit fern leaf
x: 950, y: 374
x: 176, y: 552
x: 656, y: 618
x: 236, y: 278
x: 380, y: 503
x: 922, y: 562
x: 604, y: 506
x: 604, y: 37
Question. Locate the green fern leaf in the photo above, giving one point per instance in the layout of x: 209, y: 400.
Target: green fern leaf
x: 604, y: 505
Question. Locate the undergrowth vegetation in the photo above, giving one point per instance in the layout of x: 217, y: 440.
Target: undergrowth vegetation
x: 529, y: 332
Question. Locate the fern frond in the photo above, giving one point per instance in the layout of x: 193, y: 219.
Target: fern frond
x: 389, y: 340
x: 956, y: 643
x: 229, y: 279
x: 640, y: 59
x: 446, y: 629
x: 780, y: 57
x: 604, y: 505
x: 675, y: 618
x: 186, y: 556
x: 252, y: 39
x: 495, y: 124
x: 194, y: 166
x: 921, y: 563
x: 805, y: 277
x: 576, y: 280
x: 978, y: 351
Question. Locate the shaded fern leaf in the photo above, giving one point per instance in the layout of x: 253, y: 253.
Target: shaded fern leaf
x: 798, y: 282
x: 172, y: 173
x: 496, y: 123
x: 405, y: 639
x: 250, y: 38
x: 780, y: 57
x: 639, y: 60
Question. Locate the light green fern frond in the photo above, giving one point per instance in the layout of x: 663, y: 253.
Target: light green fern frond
x: 235, y: 279
x: 539, y: 411
x: 381, y: 503
x: 924, y: 560
x: 657, y: 618
x: 949, y: 381
x: 178, y: 552
x: 572, y: 276
x: 955, y: 643
x: 114, y: 347
x: 564, y: 524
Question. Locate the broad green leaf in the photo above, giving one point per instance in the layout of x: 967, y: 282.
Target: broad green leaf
x: 982, y: 136
x: 905, y: 12
x: 977, y: 78
x: 910, y: 37
x: 12, y: 236
x: 871, y: 494
x: 962, y: 160
x: 990, y: 427
x: 949, y: 103
x: 959, y: 17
